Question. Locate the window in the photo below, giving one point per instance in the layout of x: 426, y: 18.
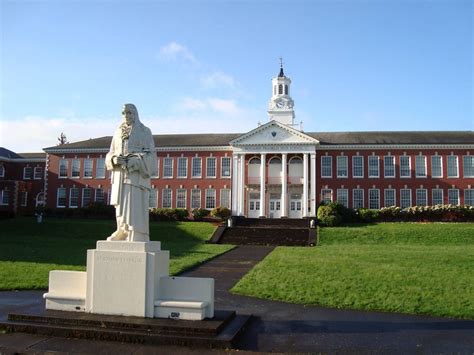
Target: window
x: 23, y: 198
x: 73, y: 197
x: 153, y: 199
x: 389, y: 166
x: 405, y: 198
x: 63, y: 168
x: 76, y: 168
x: 166, y: 197
x: 99, y: 195
x: 61, y: 197
x: 5, y: 198
x: 343, y: 197
x: 2, y: 170
x: 453, y: 196
x: 225, y: 167
x: 469, y: 197
x: 357, y: 198
x: 437, y: 197
x: 357, y: 166
x: 280, y: 89
x: 38, y: 173
x: 286, y: 89
x: 168, y: 167
x: 436, y: 167
x: 197, y: 164
x: 88, y: 168
x: 453, y: 171
x: 405, y: 166
x: 156, y: 174
x: 420, y: 166
x: 211, y: 167
x: 374, y: 199
x: 100, y: 168
x: 389, y: 198
x: 225, y: 198
x: 210, y: 198
x: 27, y: 172
x: 468, y: 166
x: 341, y: 163
x: 195, y: 198
x: 181, y: 198
x: 86, y: 196
x: 374, y: 166
x: 421, y: 197
x: 326, y: 167
x: 182, y: 167
x: 326, y: 195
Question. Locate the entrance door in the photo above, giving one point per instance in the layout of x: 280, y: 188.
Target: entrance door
x: 275, y: 208
x: 295, y: 206
x: 254, y: 208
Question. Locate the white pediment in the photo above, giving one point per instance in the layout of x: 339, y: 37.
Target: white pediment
x: 274, y: 133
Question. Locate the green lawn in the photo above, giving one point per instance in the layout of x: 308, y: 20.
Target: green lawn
x: 28, y: 251
x: 395, y: 267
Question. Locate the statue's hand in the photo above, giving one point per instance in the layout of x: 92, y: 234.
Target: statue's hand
x: 133, y: 164
x: 119, y: 160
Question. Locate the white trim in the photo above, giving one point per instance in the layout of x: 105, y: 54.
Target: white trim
x: 215, y: 168
x: 385, y: 197
x: 393, y: 146
x: 441, y: 166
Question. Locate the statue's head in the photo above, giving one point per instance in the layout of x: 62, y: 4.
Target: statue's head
x: 129, y: 114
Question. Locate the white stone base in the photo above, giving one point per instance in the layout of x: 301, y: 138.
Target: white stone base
x: 67, y: 291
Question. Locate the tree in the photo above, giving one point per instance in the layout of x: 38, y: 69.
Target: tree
x: 62, y: 139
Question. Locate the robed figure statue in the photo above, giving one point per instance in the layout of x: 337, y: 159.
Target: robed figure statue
x: 132, y: 160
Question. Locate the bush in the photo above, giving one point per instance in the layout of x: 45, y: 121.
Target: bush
x: 169, y: 214
x: 368, y: 215
x: 221, y: 212
x: 200, y: 213
x: 329, y: 216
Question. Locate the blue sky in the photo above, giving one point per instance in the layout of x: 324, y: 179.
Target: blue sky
x: 206, y: 66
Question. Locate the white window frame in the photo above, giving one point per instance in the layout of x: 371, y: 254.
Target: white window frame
x: 402, y: 199
x: 417, y: 196
x: 374, y: 196
x: 193, y: 175
x: 2, y: 170
x: 28, y: 176
x: 343, y: 197
x: 354, y: 158
x: 208, y: 167
x: 402, y: 176
x: 209, y: 193
x: 433, y: 165
x: 157, y: 169
x: 181, y: 196
x: 354, y: 204
x: 324, y: 169
x: 195, y: 198
x: 5, y: 197
x: 369, y: 158
x: 65, y: 163
x: 83, y: 196
x: 38, y: 173
x: 71, y: 190
x: 458, y: 199
x: 223, y: 196
x: 456, y: 161
x: 469, y: 197
x: 63, y: 189
x: 78, y: 167
x: 182, y: 170
x: 467, y: 167
x: 153, y: 198
x: 103, y: 195
x: 88, y: 170
x: 168, y: 168
x: 100, y: 167
x: 341, y: 170
x: 385, y: 200
x: 420, y: 167
x: 324, y: 193
x: 23, y: 198
x: 229, y: 159
x: 433, y: 193
x: 167, y: 194
x: 385, y: 165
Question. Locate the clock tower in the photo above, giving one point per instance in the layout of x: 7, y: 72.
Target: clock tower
x: 281, y: 104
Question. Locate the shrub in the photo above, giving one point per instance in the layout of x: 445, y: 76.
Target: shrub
x: 200, y: 213
x: 221, y: 212
x: 367, y: 215
x: 329, y: 216
x: 168, y: 214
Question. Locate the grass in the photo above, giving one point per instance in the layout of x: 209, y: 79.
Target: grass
x: 395, y: 267
x: 28, y: 251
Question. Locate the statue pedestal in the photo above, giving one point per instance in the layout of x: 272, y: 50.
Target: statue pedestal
x: 123, y: 277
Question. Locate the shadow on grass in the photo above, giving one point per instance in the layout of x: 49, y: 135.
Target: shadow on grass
x: 65, y: 241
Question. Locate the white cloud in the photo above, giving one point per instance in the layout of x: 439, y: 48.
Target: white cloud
x: 174, y: 51
x: 224, y: 106
x: 190, y: 104
x: 217, y: 80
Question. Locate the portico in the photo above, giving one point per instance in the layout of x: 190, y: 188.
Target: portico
x: 274, y: 173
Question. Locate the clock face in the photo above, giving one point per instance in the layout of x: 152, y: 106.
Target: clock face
x: 280, y: 104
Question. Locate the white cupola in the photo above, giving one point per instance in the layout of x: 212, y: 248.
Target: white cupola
x: 281, y: 104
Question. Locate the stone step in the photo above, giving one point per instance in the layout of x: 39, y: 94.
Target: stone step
x: 266, y: 236
x: 284, y: 222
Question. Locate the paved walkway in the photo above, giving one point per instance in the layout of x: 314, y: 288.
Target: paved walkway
x: 276, y: 326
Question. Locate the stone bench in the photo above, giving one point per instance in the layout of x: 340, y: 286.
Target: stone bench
x: 187, y: 298
x: 67, y: 291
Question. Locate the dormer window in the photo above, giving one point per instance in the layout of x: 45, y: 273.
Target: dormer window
x: 280, y: 89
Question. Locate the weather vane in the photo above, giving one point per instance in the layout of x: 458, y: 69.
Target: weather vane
x: 281, y: 62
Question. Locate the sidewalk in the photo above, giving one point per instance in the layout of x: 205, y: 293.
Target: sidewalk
x: 276, y: 326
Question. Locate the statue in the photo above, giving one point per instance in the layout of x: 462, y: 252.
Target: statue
x: 132, y: 160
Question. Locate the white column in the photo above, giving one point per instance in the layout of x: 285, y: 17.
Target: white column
x: 242, y: 185
x: 235, y: 184
x: 313, y: 184
x: 284, y: 185
x: 263, y: 165
x: 305, y: 185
